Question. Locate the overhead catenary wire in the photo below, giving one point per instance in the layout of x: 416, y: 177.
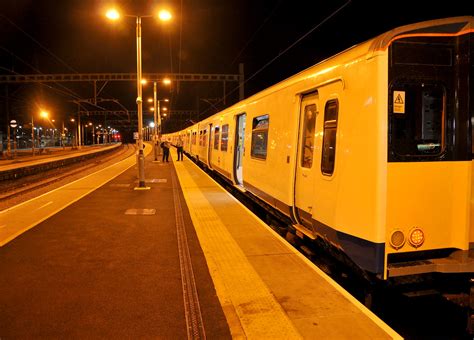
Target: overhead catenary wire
x: 257, y: 31
x: 73, y: 93
x: 284, y: 51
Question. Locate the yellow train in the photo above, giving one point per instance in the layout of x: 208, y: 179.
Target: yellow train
x: 369, y: 150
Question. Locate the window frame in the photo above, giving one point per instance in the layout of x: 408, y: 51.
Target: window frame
x: 257, y: 129
x: 224, y: 140
x: 329, y: 136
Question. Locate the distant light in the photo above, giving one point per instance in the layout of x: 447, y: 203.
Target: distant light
x: 166, y: 81
x: 150, y: 100
x: 144, y: 81
x: 164, y: 114
x: 166, y: 100
x: 152, y: 109
x: 165, y: 109
x: 73, y: 120
x: 152, y: 125
x: 164, y: 15
x: 44, y: 114
x: 112, y: 14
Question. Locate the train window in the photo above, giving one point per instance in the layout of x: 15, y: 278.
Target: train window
x: 224, y: 137
x: 259, y: 137
x: 216, y: 138
x: 418, y: 129
x: 204, y: 138
x: 411, y: 53
x: 194, y: 138
x: 328, y: 158
x: 200, y: 138
x: 309, y: 125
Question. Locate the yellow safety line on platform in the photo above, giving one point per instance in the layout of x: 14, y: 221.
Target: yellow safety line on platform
x: 226, y: 300
x: 24, y: 216
x: 236, y: 281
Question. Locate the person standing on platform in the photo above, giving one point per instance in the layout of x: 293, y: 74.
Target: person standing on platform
x: 166, y: 150
x: 179, y: 146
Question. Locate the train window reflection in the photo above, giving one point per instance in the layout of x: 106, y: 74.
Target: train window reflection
x: 259, y: 137
x: 216, y: 138
x: 224, y: 137
x: 420, y: 130
x: 309, y: 123
x: 328, y: 158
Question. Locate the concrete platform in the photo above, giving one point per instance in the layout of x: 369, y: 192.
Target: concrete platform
x: 98, y: 259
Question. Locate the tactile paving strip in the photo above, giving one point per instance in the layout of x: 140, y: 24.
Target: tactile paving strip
x: 260, y: 315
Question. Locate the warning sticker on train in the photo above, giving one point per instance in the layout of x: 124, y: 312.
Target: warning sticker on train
x: 398, y: 101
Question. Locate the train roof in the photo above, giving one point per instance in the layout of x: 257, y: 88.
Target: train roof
x: 448, y: 26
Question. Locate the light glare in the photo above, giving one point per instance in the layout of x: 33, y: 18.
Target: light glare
x: 112, y: 14
x: 164, y: 15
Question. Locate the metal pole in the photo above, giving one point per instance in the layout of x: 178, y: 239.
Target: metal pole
x: 63, y: 136
x: 79, y: 139
x: 14, y: 142
x: 141, y: 157
x: 155, y: 128
x: 32, y: 136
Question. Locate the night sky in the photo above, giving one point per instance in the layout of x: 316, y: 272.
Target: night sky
x: 206, y: 36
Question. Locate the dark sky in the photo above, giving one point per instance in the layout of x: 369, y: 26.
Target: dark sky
x: 205, y: 36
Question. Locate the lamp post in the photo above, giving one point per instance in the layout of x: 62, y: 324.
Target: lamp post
x: 157, y: 117
x: 164, y: 15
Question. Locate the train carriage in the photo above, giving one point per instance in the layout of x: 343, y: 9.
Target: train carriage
x: 369, y: 150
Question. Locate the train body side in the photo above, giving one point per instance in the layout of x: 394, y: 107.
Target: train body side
x: 371, y: 201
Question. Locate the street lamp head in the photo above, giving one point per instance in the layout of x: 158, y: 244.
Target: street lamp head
x: 166, y: 81
x: 112, y: 14
x: 144, y: 81
x: 164, y: 15
x: 44, y: 114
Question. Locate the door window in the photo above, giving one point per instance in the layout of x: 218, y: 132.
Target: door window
x: 309, y: 125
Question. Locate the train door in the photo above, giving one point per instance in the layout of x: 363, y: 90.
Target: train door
x: 209, y: 147
x: 304, y: 177
x: 239, y: 149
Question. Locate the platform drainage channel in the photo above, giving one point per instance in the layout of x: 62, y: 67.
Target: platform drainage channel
x: 140, y: 212
x: 120, y: 185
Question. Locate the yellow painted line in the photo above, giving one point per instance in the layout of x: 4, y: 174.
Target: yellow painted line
x: 238, y: 286
x: 44, y: 205
x: 226, y: 299
x: 24, y: 216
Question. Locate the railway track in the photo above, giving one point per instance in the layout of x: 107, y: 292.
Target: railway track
x: 13, y: 189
